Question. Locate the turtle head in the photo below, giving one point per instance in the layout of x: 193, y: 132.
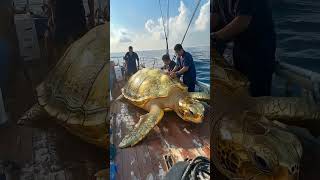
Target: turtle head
x: 250, y: 147
x: 190, y: 109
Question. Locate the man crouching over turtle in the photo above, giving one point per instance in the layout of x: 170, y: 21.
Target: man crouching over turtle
x: 185, y: 67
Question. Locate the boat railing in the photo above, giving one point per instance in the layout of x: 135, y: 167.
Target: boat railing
x: 308, y: 81
x: 153, y: 62
x: 203, y: 87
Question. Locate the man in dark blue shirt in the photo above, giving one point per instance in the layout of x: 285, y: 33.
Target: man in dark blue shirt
x: 130, y: 59
x: 184, y: 66
x: 250, y: 25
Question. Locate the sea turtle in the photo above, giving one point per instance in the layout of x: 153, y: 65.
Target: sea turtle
x: 156, y: 92
x: 75, y: 92
x: 248, y: 137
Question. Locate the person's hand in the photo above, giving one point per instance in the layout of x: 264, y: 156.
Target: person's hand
x: 173, y: 75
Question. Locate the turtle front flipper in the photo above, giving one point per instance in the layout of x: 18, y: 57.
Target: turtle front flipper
x: 119, y: 97
x: 199, y: 96
x: 34, y: 113
x: 102, y: 174
x: 144, y: 126
x: 287, y: 108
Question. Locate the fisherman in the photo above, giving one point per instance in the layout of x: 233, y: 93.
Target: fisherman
x: 184, y: 66
x: 250, y: 25
x: 168, y: 63
x: 70, y: 23
x: 130, y: 60
x: 6, y: 56
x: 7, y: 39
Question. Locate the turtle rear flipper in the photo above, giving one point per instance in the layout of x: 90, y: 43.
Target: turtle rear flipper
x: 144, y: 126
x: 34, y: 113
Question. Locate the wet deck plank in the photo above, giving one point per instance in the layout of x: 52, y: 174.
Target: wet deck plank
x: 173, y: 137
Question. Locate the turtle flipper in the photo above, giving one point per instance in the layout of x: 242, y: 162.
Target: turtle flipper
x: 102, y: 174
x: 199, y: 96
x: 287, y: 108
x: 119, y: 97
x: 34, y: 113
x: 144, y: 126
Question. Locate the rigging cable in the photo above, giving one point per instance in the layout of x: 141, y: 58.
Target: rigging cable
x: 168, y: 22
x: 194, y: 12
x: 184, y: 36
x: 164, y: 27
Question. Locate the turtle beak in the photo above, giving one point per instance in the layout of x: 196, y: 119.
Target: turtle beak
x: 191, y: 110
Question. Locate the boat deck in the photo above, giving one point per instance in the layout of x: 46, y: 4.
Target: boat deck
x: 171, y: 141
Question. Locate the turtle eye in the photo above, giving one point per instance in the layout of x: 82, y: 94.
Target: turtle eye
x: 262, y: 163
x: 191, y: 112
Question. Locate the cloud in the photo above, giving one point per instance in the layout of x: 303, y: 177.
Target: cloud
x: 121, y: 35
x: 151, y: 36
x: 177, y: 24
x: 125, y: 40
x: 202, y: 22
x: 149, y: 25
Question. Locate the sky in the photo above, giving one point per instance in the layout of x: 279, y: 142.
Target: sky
x: 138, y: 23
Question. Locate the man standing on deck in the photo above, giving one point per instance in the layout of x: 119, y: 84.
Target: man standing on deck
x: 184, y: 66
x: 249, y: 23
x: 130, y: 59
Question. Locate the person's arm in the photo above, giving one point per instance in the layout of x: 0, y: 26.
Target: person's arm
x: 186, y: 64
x: 244, y: 12
x: 235, y: 27
x: 126, y: 60
x: 176, y: 68
x: 182, y: 71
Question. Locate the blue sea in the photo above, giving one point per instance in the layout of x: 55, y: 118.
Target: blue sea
x: 298, y: 32
x: 152, y: 58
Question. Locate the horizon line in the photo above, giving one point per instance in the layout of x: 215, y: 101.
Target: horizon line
x: 159, y: 49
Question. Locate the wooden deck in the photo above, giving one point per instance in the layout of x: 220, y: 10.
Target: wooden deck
x: 171, y: 141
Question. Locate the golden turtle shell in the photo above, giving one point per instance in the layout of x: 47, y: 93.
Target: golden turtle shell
x: 148, y: 84
x: 76, y: 90
x: 225, y: 76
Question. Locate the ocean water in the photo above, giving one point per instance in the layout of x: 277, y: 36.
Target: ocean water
x: 152, y: 58
x: 298, y: 32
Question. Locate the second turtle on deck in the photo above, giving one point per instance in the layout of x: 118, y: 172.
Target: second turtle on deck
x: 75, y: 92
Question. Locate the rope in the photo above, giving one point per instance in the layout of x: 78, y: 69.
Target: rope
x: 194, y: 12
x: 184, y: 36
x: 199, y: 168
x: 168, y: 24
x: 164, y: 27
